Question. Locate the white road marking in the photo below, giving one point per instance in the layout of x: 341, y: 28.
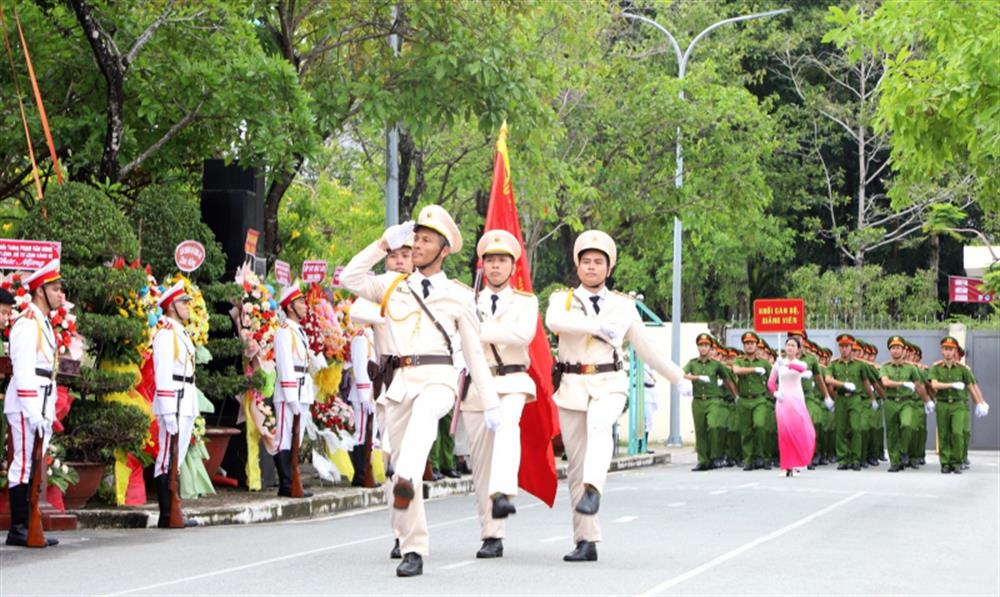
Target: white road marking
x: 667, y: 584
x: 675, y: 504
x: 718, y: 492
x: 553, y: 539
x: 626, y: 519
x: 458, y: 564
x: 746, y: 486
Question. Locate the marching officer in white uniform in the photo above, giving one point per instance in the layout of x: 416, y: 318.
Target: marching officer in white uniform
x: 294, y: 391
x: 30, y: 402
x: 175, y: 404
x: 509, y: 320
x: 592, y: 323
x: 423, y: 312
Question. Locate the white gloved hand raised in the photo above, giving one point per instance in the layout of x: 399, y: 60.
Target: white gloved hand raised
x: 807, y: 374
x: 874, y: 404
x: 982, y: 409
x: 909, y: 385
x: 704, y: 378
x: 491, y: 417
x: 760, y: 370
x: 850, y: 387
x: 958, y: 385
x: 397, y: 235
x: 170, y: 422
x: 929, y: 407
x: 829, y: 403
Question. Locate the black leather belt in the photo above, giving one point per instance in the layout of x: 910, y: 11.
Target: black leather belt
x: 508, y: 369
x: 300, y: 368
x: 183, y: 379
x: 416, y: 360
x: 579, y: 369
x: 950, y: 400
x: 43, y: 373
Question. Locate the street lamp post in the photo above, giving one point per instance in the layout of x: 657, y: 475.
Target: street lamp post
x: 675, y: 312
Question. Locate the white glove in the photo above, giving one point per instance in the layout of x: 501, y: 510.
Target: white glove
x: 778, y: 396
x: 850, y: 387
x: 929, y: 407
x: 760, y: 370
x: 982, y: 409
x: 958, y: 385
x: 778, y: 362
x: 909, y: 385
x: 396, y: 236
x: 874, y: 404
x: 718, y: 382
x: 492, y: 418
x: 704, y: 378
x: 170, y: 422
x: 736, y: 398
x: 807, y: 374
x: 608, y: 333
x: 685, y: 388
x: 36, y: 423
x: 294, y: 407
x: 829, y: 403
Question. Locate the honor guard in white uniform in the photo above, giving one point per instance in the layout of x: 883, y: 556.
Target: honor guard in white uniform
x: 30, y: 402
x: 175, y: 403
x: 397, y: 261
x: 294, y: 391
x: 423, y: 312
x: 509, y: 320
x: 592, y: 323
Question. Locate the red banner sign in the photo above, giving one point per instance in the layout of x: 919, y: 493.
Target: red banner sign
x: 313, y: 271
x: 189, y: 255
x: 282, y: 272
x: 27, y: 254
x: 779, y: 315
x: 250, y: 246
x: 968, y: 290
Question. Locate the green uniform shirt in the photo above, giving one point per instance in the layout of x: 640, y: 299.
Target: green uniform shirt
x: 945, y: 374
x: 900, y: 372
x: 752, y: 384
x: 854, y: 372
x: 713, y: 369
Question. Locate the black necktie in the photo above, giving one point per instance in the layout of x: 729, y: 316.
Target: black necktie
x: 427, y: 286
x: 494, y: 298
x: 595, y: 300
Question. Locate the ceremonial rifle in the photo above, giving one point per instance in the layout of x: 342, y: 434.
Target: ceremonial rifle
x: 36, y: 536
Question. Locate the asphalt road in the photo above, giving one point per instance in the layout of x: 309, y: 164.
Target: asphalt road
x: 667, y: 531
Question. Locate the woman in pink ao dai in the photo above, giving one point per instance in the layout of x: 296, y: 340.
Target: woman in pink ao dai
x: 796, y: 434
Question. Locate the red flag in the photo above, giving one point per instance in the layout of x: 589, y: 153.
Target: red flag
x: 540, y: 419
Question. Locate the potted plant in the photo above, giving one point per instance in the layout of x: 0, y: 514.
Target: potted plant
x: 94, y: 430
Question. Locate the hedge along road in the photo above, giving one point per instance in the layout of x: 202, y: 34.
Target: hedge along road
x: 666, y: 531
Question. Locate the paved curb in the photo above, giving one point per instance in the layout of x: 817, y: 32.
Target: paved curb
x: 325, y: 502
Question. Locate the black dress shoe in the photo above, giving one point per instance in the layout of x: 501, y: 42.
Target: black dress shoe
x: 873, y: 461
x: 815, y: 461
x: 586, y: 551
x: 843, y: 466
x: 957, y: 470
x: 748, y: 467
x: 823, y: 461
x: 590, y: 502
x: 855, y: 467
x: 394, y: 554
x: 758, y: 463
x: 767, y: 465
x: 895, y: 468
x: 864, y: 464
x: 492, y: 548
x: 412, y: 565
x: 451, y: 473
x: 718, y: 463
x: 463, y: 468
x: 403, y: 493
x: 502, y: 507
x: 436, y: 475
x: 945, y: 469
x: 965, y: 466
x: 904, y: 459
x: 701, y: 467
x: 921, y: 461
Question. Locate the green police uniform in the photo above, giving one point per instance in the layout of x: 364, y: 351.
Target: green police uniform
x: 848, y: 411
x: 952, y: 412
x: 708, y: 409
x: 872, y: 424
x: 902, y: 411
x: 814, y: 401
x: 731, y: 438
x: 752, y: 411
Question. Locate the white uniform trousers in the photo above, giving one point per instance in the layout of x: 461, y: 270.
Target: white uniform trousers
x: 589, y: 446
x: 412, y: 428
x: 184, y: 427
x: 496, y: 458
x: 23, y: 442
x: 283, y: 424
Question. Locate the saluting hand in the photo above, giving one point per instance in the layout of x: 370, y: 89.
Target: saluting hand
x: 397, y: 235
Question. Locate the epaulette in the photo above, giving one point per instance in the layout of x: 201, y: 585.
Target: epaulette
x: 463, y: 285
x: 522, y: 292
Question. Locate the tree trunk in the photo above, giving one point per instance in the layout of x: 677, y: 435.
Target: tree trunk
x: 280, y: 184
x: 410, y: 157
x: 934, y: 262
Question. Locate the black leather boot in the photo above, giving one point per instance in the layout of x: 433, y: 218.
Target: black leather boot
x: 590, y: 502
x: 586, y: 551
x: 394, y: 554
x: 502, y: 506
x: 492, y: 548
x: 412, y: 565
x: 18, y: 533
x: 282, y: 467
x: 162, y: 483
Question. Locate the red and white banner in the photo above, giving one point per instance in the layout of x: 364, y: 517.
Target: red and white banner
x: 27, y: 254
x: 313, y: 271
x: 336, y: 276
x: 250, y: 244
x: 282, y: 272
x: 779, y: 315
x: 968, y: 290
x: 189, y: 255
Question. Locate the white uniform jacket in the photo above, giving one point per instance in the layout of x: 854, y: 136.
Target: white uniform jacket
x: 173, y: 369
x: 33, y: 356
x: 292, y: 358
